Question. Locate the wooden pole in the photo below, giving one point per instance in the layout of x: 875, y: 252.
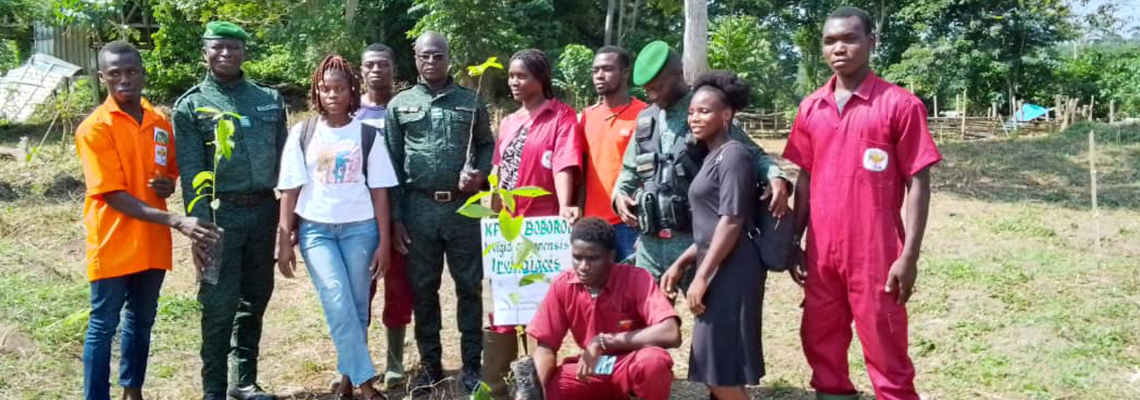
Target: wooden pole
x: 1092, y: 109
x: 962, y: 113
x: 1013, y: 111
x: 1093, y: 190
x: 1112, y: 111
x: 935, y: 106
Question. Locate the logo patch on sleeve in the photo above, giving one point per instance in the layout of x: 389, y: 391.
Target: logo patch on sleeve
x: 875, y: 160
x: 547, y: 159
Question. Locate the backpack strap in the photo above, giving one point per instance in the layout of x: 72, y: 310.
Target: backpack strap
x: 308, y: 128
x: 368, y: 135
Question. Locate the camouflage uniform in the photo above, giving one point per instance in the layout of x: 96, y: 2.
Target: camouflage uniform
x: 655, y: 253
x: 427, y: 136
x: 232, y: 309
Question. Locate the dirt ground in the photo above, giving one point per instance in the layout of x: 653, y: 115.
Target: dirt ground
x: 1015, y: 299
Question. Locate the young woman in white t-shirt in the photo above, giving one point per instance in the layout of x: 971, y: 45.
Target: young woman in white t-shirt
x: 344, y: 224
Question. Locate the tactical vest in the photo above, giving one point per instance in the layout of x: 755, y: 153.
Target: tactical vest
x: 663, y: 200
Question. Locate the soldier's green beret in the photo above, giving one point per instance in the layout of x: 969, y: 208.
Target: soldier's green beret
x: 649, y: 62
x: 224, y: 30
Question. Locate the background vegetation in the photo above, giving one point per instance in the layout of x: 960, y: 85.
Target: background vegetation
x: 989, y: 50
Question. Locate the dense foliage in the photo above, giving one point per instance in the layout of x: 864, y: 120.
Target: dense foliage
x: 988, y: 50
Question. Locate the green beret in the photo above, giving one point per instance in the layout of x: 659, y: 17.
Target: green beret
x: 224, y: 30
x: 650, y: 61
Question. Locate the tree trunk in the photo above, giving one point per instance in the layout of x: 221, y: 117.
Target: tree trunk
x: 610, y: 5
x: 625, y: 32
x: 349, y: 11
x: 696, y: 39
x: 620, y: 26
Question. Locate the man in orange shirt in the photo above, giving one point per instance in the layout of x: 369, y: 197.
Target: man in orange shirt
x: 127, y: 153
x: 608, y: 126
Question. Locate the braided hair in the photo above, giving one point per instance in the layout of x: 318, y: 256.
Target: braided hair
x: 538, y: 65
x: 335, y: 62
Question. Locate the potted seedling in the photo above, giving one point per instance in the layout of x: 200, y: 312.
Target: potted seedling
x: 205, y: 184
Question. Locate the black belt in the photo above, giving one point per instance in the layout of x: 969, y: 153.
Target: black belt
x: 248, y: 199
x: 441, y: 196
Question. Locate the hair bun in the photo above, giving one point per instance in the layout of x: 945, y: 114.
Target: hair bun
x: 737, y: 92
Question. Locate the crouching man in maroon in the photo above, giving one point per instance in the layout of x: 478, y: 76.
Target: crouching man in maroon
x: 618, y: 317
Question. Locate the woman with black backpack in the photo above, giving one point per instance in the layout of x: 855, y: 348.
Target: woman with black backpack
x: 727, y: 290
x: 336, y: 182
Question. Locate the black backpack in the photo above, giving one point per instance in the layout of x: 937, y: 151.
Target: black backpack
x: 367, y: 138
x: 772, y: 238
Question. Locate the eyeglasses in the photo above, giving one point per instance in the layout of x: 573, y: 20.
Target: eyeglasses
x: 431, y: 57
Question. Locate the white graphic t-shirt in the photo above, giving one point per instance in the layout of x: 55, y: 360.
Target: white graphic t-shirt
x: 334, y: 189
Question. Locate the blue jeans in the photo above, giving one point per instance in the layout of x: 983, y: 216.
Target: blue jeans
x: 139, y: 293
x: 338, y: 257
x: 626, y: 238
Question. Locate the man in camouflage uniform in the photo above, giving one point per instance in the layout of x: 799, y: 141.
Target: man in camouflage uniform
x: 429, y: 130
x: 659, y: 70
x: 232, y: 309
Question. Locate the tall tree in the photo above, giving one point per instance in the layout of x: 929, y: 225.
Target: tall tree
x: 611, y: 8
x: 696, y: 57
x: 1004, y: 48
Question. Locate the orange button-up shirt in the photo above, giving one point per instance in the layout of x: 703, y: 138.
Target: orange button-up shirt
x: 117, y: 154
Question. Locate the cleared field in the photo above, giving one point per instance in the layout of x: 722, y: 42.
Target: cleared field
x: 1013, y: 302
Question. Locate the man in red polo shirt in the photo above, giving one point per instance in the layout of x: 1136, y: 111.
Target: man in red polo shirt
x: 862, y: 143
x: 613, y: 310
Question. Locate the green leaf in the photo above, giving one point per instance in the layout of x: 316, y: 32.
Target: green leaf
x: 203, y: 177
x: 528, y: 249
x: 202, y: 189
x: 478, y: 70
x: 476, y: 197
x: 477, y: 211
x: 482, y: 392
x: 510, y: 226
x: 208, y: 110
x: 215, y: 203
x: 508, y: 200
x: 514, y: 298
x: 531, y: 279
x: 223, y: 136
x: 493, y: 179
x: 530, y: 192
x: 490, y: 248
x: 232, y: 114
x: 190, y: 208
x: 504, y: 221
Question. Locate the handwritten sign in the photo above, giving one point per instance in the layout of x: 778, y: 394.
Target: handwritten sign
x: 517, y: 301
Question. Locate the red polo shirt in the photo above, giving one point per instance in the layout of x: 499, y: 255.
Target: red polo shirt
x: 553, y: 143
x: 859, y: 163
x: 629, y: 301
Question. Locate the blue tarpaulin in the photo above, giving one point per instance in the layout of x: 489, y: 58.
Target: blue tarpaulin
x: 1030, y: 112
